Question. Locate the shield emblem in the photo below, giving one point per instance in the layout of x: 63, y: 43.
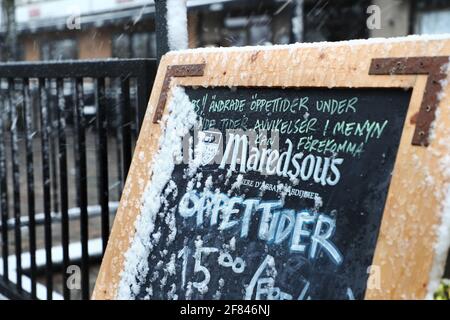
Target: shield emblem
x: 211, y: 143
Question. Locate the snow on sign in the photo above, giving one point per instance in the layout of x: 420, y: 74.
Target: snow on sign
x: 308, y: 171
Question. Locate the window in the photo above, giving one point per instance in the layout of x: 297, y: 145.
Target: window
x: 121, y: 46
x: 135, y: 45
x: 335, y: 20
x: 253, y: 30
x: 59, y: 50
x: 236, y: 37
x: 139, y: 45
x: 433, y: 22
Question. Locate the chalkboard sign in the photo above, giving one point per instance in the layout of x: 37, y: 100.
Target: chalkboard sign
x: 295, y: 216
x: 287, y: 173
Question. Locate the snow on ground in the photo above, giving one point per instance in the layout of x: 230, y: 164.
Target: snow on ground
x: 95, y: 248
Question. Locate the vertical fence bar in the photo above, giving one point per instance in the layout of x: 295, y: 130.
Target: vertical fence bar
x: 116, y: 127
x: 30, y: 183
x: 74, y: 136
x: 45, y: 150
x: 81, y: 184
x: 4, y: 190
x: 102, y: 156
x: 62, y: 157
x: 16, y: 182
x: 53, y: 145
x: 125, y: 125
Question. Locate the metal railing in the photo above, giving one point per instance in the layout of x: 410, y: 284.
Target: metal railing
x: 67, y: 131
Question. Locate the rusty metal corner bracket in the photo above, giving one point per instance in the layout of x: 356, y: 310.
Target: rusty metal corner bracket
x: 435, y: 68
x: 179, y: 70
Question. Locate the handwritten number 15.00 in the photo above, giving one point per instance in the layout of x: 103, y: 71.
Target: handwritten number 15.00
x: 225, y: 259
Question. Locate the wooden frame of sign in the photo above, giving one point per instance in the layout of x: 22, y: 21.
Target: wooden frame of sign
x: 405, y: 250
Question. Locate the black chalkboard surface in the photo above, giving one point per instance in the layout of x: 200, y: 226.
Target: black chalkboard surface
x: 289, y: 197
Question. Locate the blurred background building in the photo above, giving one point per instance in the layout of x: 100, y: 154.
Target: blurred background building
x: 88, y: 29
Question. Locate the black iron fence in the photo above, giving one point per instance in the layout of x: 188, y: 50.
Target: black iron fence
x: 67, y: 131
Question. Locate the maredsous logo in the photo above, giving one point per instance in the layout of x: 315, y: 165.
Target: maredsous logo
x: 298, y: 166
